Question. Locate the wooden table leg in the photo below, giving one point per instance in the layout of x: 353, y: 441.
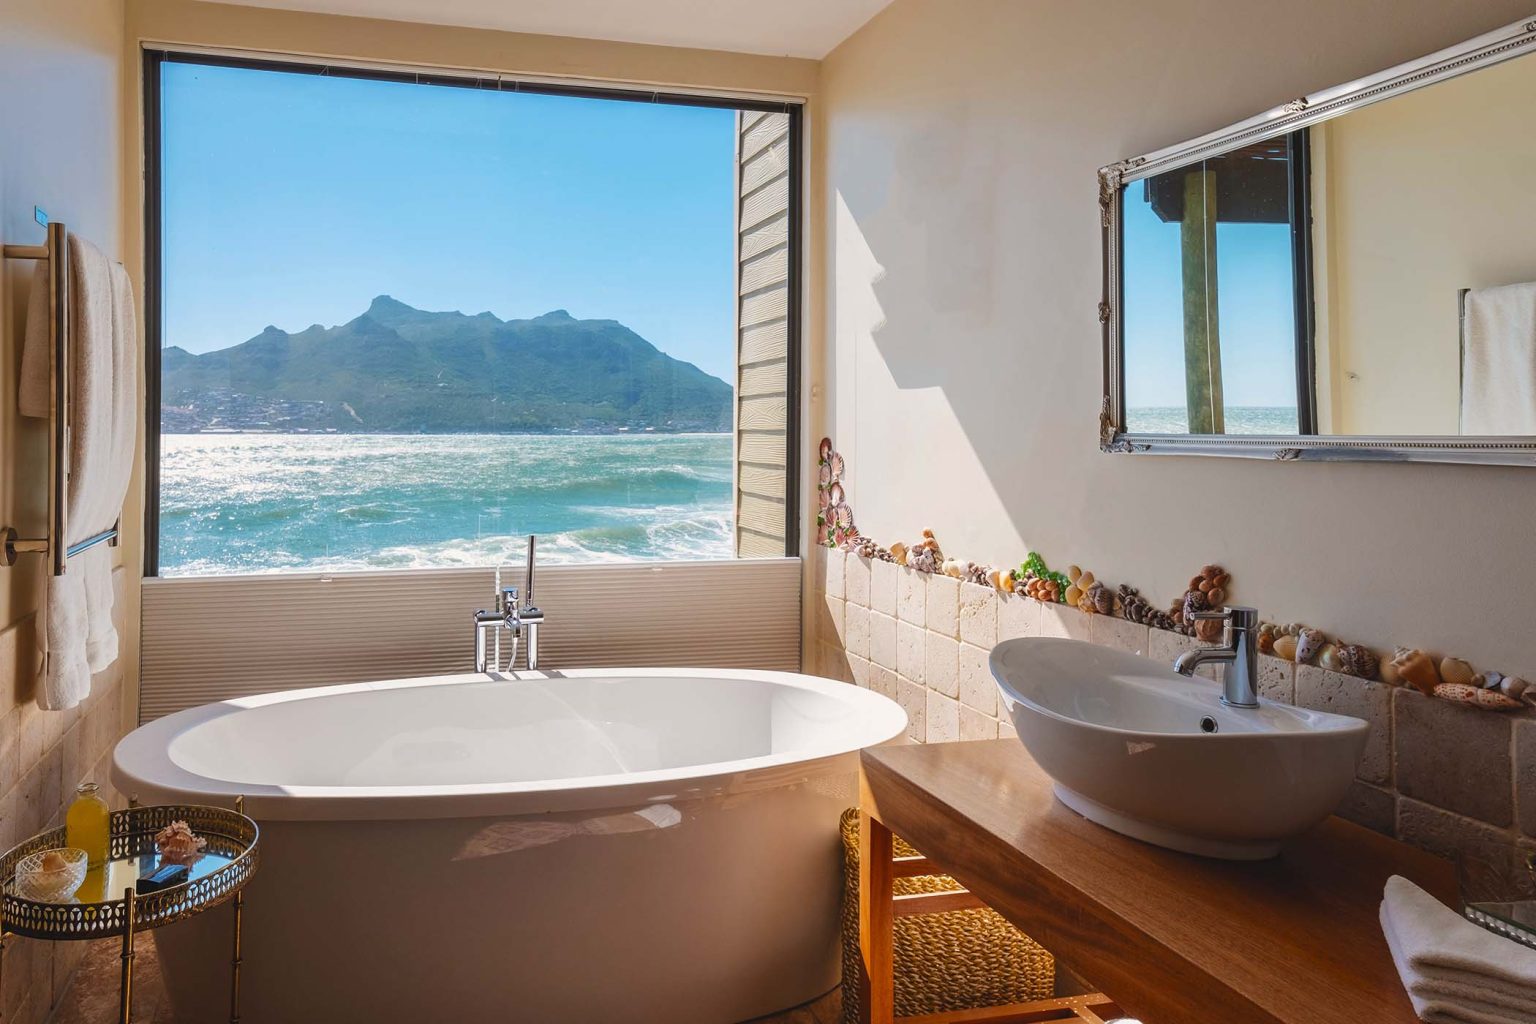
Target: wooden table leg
x: 125, y: 989
x: 877, y: 996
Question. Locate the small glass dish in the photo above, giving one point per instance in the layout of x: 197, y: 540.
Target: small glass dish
x: 1498, y: 889
x: 51, y: 884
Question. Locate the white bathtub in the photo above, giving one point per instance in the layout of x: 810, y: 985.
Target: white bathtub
x: 628, y: 846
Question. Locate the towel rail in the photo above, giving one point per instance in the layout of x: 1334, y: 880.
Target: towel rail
x: 56, y: 252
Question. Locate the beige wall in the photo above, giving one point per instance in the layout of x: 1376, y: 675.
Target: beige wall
x: 193, y: 23
x: 60, y: 144
x: 963, y: 381
x: 1425, y: 194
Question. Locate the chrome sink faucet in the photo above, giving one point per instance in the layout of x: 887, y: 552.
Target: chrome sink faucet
x: 518, y: 618
x: 1239, y: 652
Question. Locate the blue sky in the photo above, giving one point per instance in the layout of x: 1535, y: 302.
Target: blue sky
x: 295, y: 199
x: 1254, y: 310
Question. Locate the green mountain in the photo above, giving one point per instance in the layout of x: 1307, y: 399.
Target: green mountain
x: 400, y: 369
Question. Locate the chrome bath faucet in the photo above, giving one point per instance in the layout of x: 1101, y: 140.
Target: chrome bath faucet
x: 1239, y: 652
x: 518, y: 618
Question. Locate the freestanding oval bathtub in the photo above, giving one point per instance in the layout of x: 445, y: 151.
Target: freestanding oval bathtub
x: 589, y: 846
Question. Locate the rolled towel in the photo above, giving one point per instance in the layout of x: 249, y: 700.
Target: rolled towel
x: 1455, y: 972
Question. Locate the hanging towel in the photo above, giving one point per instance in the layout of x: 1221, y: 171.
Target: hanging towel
x: 1498, y: 361
x: 1455, y: 972
x: 76, y: 631
x: 33, y: 393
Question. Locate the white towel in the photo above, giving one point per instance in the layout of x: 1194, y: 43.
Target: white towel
x: 76, y: 631
x: 33, y: 393
x: 116, y: 470
x: 1455, y: 972
x: 1498, y: 361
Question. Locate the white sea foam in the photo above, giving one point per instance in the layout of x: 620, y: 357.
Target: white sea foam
x: 283, y: 503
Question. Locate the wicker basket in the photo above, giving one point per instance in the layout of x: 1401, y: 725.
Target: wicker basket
x: 956, y: 960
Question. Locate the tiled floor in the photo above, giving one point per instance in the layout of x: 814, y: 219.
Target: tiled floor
x: 92, y: 997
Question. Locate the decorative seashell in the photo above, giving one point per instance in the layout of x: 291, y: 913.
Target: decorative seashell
x: 1009, y: 584
x: 1308, y: 643
x: 1073, y: 572
x: 826, y: 448
x: 1209, y: 630
x: 1355, y: 660
x: 1416, y: 669
x: 1285, y: 647
x: 1489, y: 680
x: 1217, y: 596
x: 953, y: 567
x: 1073, y: 595
x: 837, y: 465
x: 1514, y: 687
x: 1085, y: 581
x: 844, y: 514
x: 1489, y: 700
x: 899, y: 553
x: 1456, y: 672
x: 1267, y: 643
x: 1194, y: 601
x: 1327, y: 657
x: 178, y: 844
x: 835, y: 494
x: 824, y: 476
x: 1389, y: 673
x: 1103, y: 598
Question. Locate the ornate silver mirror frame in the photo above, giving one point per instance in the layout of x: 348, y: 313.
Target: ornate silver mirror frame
x: 1483, y: 51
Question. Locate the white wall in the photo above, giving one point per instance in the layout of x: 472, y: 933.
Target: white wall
x: 962, y: 368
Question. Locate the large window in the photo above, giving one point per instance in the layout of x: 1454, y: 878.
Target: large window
x: 401, y: 321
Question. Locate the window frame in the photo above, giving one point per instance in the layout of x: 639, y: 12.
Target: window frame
x: 155, y: 57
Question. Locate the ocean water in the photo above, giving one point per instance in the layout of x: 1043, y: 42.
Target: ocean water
x: 248, y: 503
x: 1240, y: 419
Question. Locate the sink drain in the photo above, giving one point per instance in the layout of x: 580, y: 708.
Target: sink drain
x: 1208, y: 724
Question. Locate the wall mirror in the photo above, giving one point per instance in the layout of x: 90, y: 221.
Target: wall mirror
x: 1349, y: 276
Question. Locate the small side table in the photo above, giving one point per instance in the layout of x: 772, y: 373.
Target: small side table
x: 218, y: 876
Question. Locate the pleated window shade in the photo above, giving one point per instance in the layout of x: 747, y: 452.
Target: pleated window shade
x: 212, y: 638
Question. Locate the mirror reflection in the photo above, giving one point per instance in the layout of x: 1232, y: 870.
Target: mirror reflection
x: 1372, y: 275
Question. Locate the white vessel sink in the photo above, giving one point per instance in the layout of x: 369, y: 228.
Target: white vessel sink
x: 1138, y: 748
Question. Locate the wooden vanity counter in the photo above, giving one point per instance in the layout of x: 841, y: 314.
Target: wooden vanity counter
x: 1172, y: 938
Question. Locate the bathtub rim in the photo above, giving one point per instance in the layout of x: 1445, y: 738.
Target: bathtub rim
x: 142, y: 767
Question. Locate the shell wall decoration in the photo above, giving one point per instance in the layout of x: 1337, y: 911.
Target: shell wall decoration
x: 1447, y: 678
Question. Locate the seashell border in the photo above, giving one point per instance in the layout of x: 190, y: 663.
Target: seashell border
x: 1446, y: 678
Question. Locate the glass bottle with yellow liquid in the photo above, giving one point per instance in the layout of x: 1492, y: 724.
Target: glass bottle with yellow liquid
x: 87, y: 825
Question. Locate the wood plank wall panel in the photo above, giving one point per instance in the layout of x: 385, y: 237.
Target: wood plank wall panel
x: 762, y: 376
x: 208, y: 639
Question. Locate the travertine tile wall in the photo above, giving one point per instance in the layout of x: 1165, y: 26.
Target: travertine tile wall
x: 44, y: 756
x: 1433, y: 773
